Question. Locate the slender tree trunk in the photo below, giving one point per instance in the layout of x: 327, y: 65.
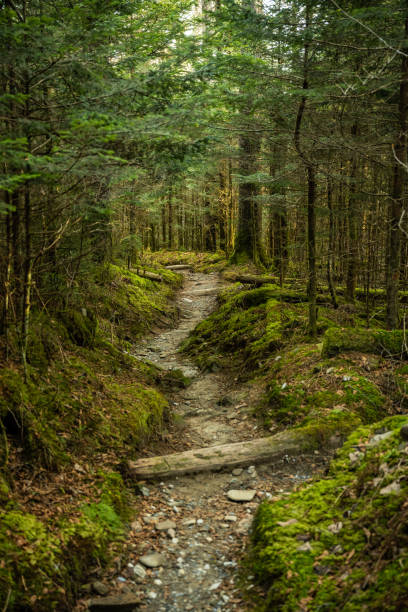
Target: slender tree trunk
x: 352, y: 219
x: 171, y: 224
x: 330, y: 249
x: 396, y: 204
x: 311, y: 248
x: 311, y: 196
x: 27, y: 283
x: 164, y: 226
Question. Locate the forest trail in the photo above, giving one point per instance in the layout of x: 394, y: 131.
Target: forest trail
x: 195, y: 533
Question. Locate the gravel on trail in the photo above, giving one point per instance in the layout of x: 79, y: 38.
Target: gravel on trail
x: 183, y: 551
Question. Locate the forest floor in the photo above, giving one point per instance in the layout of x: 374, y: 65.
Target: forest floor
x: 197, y: 533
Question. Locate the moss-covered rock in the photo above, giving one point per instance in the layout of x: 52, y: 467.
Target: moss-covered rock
x: 339, y: 543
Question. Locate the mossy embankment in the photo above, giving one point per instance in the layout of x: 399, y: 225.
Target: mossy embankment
x: 339, y: 543
x: 85, y: 406
x: 326, y: 386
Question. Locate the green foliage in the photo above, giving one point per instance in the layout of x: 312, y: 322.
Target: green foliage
x: 340, y: 542
x: 337, y: 340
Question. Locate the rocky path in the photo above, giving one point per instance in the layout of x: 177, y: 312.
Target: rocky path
x: 183, y: 551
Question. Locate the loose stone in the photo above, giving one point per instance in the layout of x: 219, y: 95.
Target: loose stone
x: 231, y: 518
x: 239, y: 495
x: 139, y: 571
x: 165, y: 525
x: 100, y: 588
x: 152, y: 560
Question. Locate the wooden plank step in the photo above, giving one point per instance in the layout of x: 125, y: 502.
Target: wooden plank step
x: 215, y: 458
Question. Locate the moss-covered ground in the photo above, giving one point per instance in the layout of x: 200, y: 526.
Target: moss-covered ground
x: 85, y: 406
x: 340, y: 543
x: 326, y: 386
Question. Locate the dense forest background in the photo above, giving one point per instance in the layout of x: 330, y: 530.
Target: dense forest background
x: 274, y: 132
x: 265, y: 143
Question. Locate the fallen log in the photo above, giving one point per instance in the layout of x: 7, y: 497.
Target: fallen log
x: 179, y: 267
x: 147, y: 274
x: 252, y: 279
x: 215, y: 458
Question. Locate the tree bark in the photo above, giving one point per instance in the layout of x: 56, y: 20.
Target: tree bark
x: 397, y: 195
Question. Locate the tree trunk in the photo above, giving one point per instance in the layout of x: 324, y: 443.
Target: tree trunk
x: 396, y: 204
x: 352, y: 218
x: 248, y: 242
x: 330, y: 249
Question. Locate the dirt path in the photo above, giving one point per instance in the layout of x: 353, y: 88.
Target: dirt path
x: 200, y: 548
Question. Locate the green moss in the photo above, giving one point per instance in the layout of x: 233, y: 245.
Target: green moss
x: 173, y: 379
x: 138, y: 413
x: 249, y: 326
x: 25, y: 415
x: 81, y: 326
x: 46, y: 338
x: 339, y: 340
x: 341, y: 542
x: 114, y: 494
x: 365, y: 399
x: 42, y: 563
x: 31, y: 568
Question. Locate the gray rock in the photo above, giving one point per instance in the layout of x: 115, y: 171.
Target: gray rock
x: 100, y: 588
x: 165, y: 525
x: 306, y: 547
x: 230, y: 518
x: 139, y: 571
x: 394, y: 488
x: 404, y: 432
x: 239, y: 495
x: 125, y: 602
x: 375, y: 440
x: 355, y: 457
x: 335, y: 527
x: 154, y: 559
x: 237, y: 472
x: 171, y: 533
